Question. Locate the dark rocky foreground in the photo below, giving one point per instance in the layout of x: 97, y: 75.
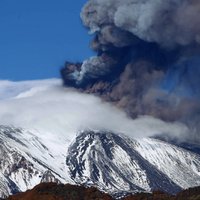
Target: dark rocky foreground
x: 53, y: 191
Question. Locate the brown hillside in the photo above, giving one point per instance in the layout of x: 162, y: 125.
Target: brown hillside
x: 146, y: 196
x: 53, y: 191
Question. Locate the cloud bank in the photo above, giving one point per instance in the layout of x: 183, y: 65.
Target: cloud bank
x: 48, y: 107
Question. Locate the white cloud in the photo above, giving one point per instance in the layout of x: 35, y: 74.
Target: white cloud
x: 47, y: 106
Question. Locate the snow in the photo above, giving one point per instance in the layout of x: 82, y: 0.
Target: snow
x: 27, y: 157
x: 127, y: 170
x: 181, y: 166
x: 136, y: 175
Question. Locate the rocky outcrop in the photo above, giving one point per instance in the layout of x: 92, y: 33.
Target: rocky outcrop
x: 53, y: 191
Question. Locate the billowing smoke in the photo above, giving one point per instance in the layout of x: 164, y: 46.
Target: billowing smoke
x: 148, y: 58
x: 168, y: 23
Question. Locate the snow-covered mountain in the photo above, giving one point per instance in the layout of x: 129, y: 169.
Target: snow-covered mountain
x: 26, y: 161
x: 113, y: 163
x: 117, y: 163
x: 41, y: 141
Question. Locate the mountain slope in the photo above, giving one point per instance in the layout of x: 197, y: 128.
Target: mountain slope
x: 180, y: 165
x: 114, y: 163
x: 117, y: 163
x: 26, y: 161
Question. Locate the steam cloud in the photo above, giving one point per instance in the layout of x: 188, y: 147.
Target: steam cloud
x: 148, y: 58
x: 48, y: 107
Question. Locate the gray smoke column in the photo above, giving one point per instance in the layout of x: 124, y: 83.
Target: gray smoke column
x: 148, y: 58
x: 168, y: 23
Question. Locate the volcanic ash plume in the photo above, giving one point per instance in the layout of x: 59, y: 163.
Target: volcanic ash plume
x: 148, y: 58
x: 168, y: 23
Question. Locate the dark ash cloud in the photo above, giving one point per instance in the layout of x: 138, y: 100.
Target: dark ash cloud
x: 148, y: 58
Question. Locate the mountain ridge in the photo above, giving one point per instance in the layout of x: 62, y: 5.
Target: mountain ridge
x: 53, y: 191
x: 113, y: 163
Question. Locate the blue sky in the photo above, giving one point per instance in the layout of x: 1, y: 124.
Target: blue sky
x: 38, y: 36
